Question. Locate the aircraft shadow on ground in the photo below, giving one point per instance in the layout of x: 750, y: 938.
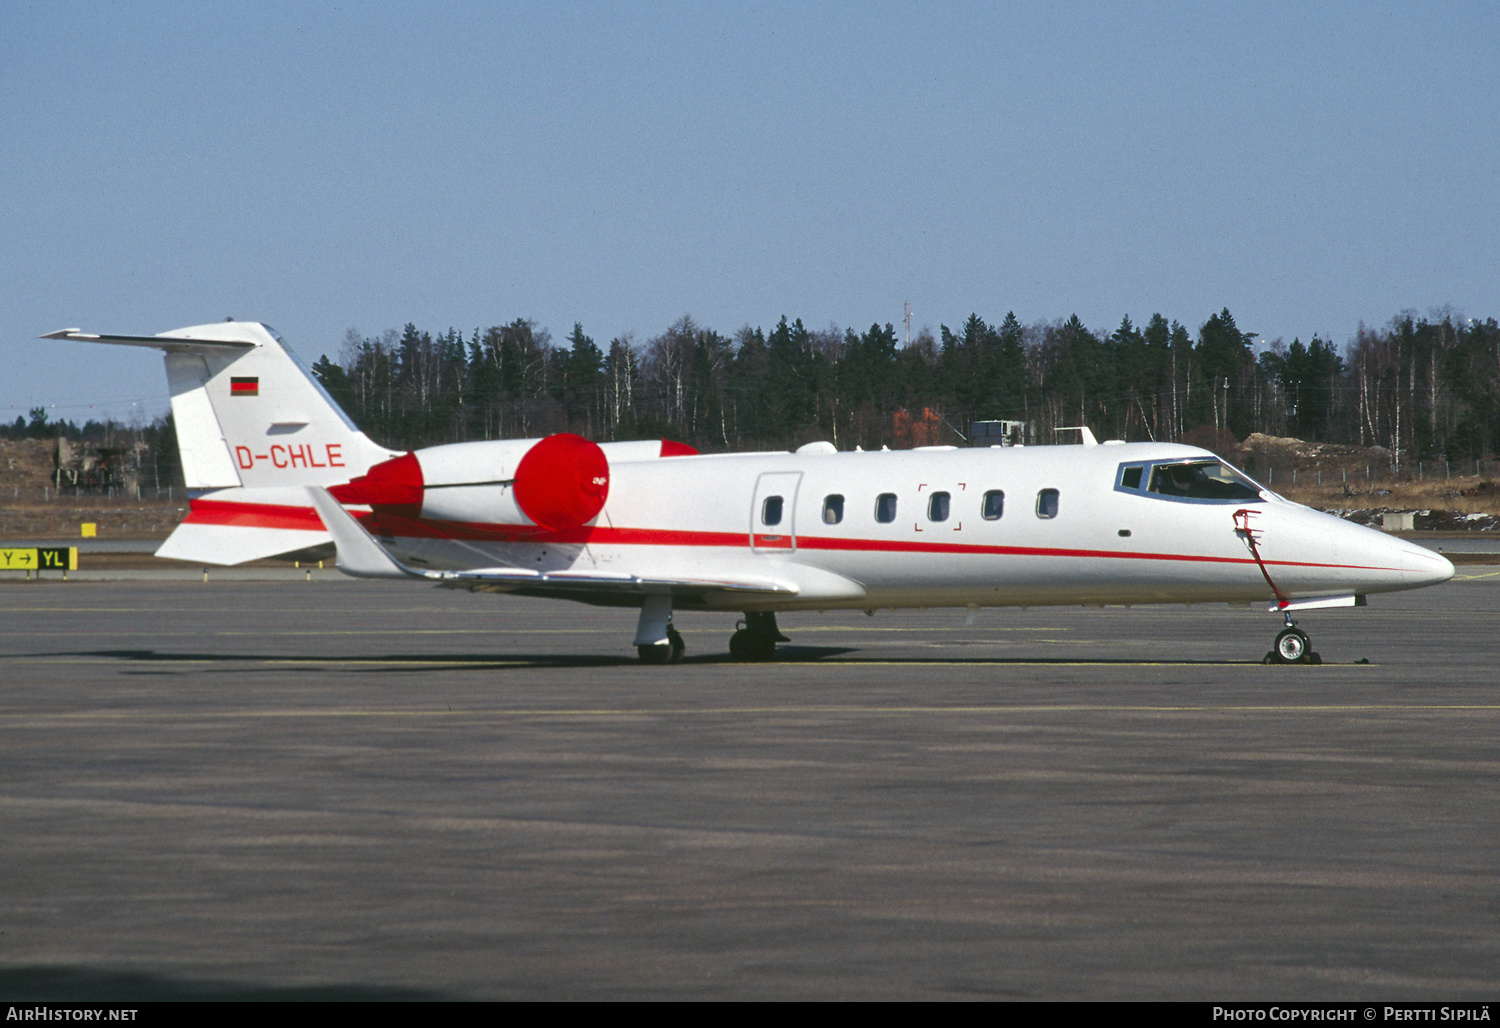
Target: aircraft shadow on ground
x: 427, y: 663
x: 382, y: 663
x: 46, y: 983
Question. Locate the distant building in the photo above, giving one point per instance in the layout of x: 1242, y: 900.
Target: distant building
x: 1001, y: 433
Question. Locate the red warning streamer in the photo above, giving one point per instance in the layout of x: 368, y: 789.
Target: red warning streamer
x: 1242, y: 527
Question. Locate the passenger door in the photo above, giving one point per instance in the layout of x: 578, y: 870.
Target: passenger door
x: 771, y: 514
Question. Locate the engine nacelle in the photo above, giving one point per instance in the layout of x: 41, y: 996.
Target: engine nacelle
x: 562, y: 482
x: 552, y: 484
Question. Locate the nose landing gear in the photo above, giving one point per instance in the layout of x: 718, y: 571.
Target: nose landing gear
x: 1292, y: 647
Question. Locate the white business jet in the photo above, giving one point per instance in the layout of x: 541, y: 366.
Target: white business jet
x: 275, y: 467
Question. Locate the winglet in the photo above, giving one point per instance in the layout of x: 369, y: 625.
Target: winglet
x: 359, y: 554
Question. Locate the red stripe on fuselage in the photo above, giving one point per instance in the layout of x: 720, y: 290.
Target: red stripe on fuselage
x: 264, y: 515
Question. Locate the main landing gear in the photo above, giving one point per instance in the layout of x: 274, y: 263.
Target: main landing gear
x: 1292, y: 647
x: 656, y: 640
x: 669, y: 651
x: 757, y: 640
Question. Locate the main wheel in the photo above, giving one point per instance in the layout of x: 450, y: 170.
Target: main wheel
x: 1291, y: 646
x: 751, y: 646
x: 668, y: 651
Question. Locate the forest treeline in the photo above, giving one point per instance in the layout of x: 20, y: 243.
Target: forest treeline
x: 1421, y: 387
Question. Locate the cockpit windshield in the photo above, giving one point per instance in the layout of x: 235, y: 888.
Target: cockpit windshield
x: 1202, y: 480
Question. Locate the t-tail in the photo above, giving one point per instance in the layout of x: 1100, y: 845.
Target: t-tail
x: 254, y: 429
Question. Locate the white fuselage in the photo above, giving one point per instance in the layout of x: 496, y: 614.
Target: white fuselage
x: 703, y: 516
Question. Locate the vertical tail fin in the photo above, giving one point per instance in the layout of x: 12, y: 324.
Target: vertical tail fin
x: 248, y: 413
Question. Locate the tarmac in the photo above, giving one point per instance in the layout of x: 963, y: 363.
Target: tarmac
x: 285, y: 784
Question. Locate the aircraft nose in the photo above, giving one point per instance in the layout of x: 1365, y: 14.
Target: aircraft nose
x: 1424, y: 566
x: 1388, y: 562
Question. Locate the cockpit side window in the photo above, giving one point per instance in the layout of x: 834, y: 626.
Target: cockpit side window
x: 1200, y: 481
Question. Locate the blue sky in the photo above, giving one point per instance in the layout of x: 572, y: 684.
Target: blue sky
x: 326, y: 166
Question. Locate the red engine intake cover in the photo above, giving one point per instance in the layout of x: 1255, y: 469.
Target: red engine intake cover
x: 562, y: 482
x: 395, y: 483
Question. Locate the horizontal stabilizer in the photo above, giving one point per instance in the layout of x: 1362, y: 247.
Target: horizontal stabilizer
x: 233, y: 526
x: 235, y: 544
x: 155, y: 342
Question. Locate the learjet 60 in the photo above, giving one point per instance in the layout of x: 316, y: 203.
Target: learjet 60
x: 274, y: 467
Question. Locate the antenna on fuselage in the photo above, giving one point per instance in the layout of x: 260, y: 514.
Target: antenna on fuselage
x: 1084, y: 431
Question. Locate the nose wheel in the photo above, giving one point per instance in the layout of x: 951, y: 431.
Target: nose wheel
x: 1292, y: 647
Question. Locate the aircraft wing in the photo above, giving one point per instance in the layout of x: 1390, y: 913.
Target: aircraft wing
x: 564, y: 583
x: 359, y: 554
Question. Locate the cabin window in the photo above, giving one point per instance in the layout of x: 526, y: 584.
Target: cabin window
x: 993, y: 505
x: 770, y: 511
x: 937, y: 507
x: 1046, y: 503
x: 833, y: 509
x: 885, y: 508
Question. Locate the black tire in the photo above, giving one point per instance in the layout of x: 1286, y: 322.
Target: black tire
x: 1292, y: 647
x: 655, y: 653
x: 752, y: 647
